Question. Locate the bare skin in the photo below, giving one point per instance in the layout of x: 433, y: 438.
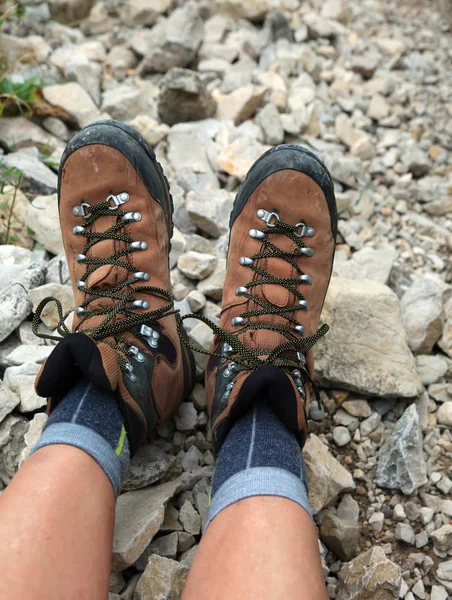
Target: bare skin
x: 56, y: 528
x: 262, y: 548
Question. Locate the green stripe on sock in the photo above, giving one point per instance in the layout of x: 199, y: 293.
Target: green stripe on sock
x: 120, y: 445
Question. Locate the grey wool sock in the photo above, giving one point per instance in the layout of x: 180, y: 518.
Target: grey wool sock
x: 260, y: 457
x: 89, y: 418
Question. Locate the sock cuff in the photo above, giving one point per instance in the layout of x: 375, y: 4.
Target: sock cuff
x: 259, y: 481
x: 92, y: 443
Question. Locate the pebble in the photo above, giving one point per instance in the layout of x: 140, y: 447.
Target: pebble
x: 341, y: 436
x: 405, y: 533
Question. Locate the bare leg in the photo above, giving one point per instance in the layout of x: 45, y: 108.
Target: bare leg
x: 261, y: 547
x: 56, y: 528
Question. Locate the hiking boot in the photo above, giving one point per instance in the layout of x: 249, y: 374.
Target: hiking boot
x: 282, y: 241
x: 116, y: 222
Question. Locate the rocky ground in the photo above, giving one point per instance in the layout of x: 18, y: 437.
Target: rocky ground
x: 211, y: 85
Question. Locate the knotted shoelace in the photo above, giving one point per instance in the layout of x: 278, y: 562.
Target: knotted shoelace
x: 288, y: 355
x: 121, y: 317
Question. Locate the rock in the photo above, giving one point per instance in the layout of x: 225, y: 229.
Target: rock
x: 368, y: 263
x: 196, y: 300
x: 237, y: 158
x: 21, y: 381
x: 29, y: 353
x: 213, y: 286
x: 184, y: 97
x: 365, y: 64
x: 446, y: 341
x: 32, y: 436
x: 196, y: 265
x: 8, y: 401
x: 250, y: 9
x: 128, y: 100
x: 12, y: 431
x: 346, y: 169
x: 348, y: 509
x: 416, y: 161
x: 186, y: 417
x: 139, y: 515
x: 438, y: 593
x: 192, y: 458
x: 15, y: 306
x: 404, y: 533
x: 422, y: 309
x: 19, y: 132
x: 444, y: 573
x: 270, y: 122
x: 49, y: 315
x: 140, y: 13
x: 43, y: 220
x: 163, y: 578
x: 74, y: 100
x: 31, y: 48
x: 442, y: 538
x: 13, y: 207
x: 68, y: 11
x: 378, y: 108
x: 166, y: 546
x: 121, y: 60
x: 35, y: 172
x: 376, y: 521
x: 152, y: 131
x: 370, y: 575
x: 239, y: 105
x: 340, y: 536
x: 210, y: 211
x: 174, y: 42
x: 147, y: 466
x: 430, y: 368
x: 444, y: 414
x: 341, y: 436
x: 368, y: 312
x: 190, y: 519
x: 370, y: 424
x: 326, y: 476
x: 357, y: 408
x: 401, y: 463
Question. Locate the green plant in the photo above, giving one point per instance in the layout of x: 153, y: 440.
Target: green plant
x: 11, y: 177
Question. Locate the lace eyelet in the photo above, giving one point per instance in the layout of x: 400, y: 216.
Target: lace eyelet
x: 121, y: 198
x: 79, y: 211
x: 267, y: 217
x: 305, y: 231
x: 256, y: 234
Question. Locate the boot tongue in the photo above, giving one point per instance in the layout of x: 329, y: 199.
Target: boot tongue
x: 274, y: 294
x: 75, y: 356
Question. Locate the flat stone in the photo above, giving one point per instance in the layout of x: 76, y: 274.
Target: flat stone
x: 184, y: 97
x: 357, y: 408
x: 163, y: 578
x: 74, y: 100
x: 43, y: 220
x: 210, y: 211
x: 15, y: 306
x: 19, y: 132
x: 340, y: 536
x: 438, y: 593
x: 27, y: 160
x: 368, y: 263
x: 12, y: 431
x: 326, y: 476
x: 196, y: 265
x: 28, y: 353
x: 8, y: 401
x: 49, y: 315
x: 370, y: 424
x: 368, y: 313
x: 147, y: 466
x: 21, y: 381
x: 239, y: 105
x: 370, y: 575
x: 139, y: 515
x: 422, y: 310
x: 401, y: 463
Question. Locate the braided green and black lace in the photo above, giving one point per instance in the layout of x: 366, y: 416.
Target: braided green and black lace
x: 289, y: 354
x: 111, y: 326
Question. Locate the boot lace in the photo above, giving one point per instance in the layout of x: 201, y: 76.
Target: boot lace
x: 288, y: 355
x: 124, y: 316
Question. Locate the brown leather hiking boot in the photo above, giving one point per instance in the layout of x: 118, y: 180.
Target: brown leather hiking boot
x: 282, y: 241
x: 116, y: 221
